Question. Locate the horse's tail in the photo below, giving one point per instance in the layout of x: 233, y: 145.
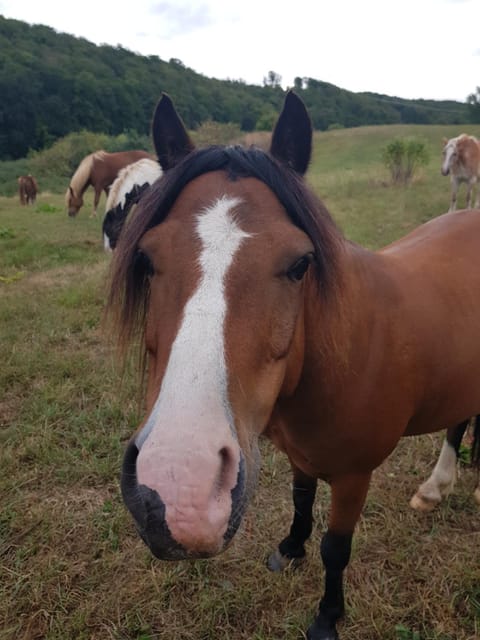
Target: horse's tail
x: 475, y: 450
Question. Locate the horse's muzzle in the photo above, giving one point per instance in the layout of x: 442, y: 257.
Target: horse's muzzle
x: 149, y: 513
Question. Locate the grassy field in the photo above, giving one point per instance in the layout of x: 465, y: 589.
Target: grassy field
x: 71, y: 564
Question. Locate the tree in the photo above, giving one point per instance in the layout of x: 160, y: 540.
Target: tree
x: 473, y: 102
x: 300, y: 83
x: 273, y: 80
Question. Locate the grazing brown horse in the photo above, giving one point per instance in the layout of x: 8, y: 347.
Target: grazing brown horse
x: 99, y: 170
x: 260, y: 318
x: 461, y: 160
x: 27, y: 189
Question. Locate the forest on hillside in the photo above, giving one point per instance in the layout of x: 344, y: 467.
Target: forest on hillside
x: 53, y: 84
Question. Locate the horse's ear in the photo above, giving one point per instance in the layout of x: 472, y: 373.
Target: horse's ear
x: 292, y: 135
x: 444, y: 141
x: 171, y: 140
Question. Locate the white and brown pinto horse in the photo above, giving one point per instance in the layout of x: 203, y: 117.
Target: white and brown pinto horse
x: 125, y: 192
x: 99, y: 170
x: 461, y: 160
x: 260, y: 318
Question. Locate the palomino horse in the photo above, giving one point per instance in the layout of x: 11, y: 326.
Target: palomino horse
x: 99, y: 170
x: 133, y: 180
x: 260, y: 318
x: 27, y: 189
x: 461, y: 159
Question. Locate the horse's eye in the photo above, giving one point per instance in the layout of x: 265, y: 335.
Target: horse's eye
x: 143, y: 264
x: 300, y: 267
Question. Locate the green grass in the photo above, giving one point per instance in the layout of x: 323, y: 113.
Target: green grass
x: 71, y: 563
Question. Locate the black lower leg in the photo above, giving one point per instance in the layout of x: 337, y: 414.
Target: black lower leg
x: 475, y: 453
x: 335, y: 550
x: 304, y: 489
x: 455, y: 435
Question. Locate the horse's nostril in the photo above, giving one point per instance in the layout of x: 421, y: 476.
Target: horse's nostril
x: 224, y: 455
x: 228, y: 470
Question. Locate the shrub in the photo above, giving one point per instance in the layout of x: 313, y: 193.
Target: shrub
x: 334, y: 126
x: 266, y: 121
x: 403, y: 156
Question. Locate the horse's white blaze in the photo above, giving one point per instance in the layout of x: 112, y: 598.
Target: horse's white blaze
x: 441, y: 481
x: 191, y: 423
x: 448, y: 152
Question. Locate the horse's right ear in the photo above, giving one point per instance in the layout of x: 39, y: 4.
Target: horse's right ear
x: 171, y: 140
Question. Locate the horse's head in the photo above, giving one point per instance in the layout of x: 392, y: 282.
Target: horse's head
x: 449, y: 155
x: 218, y: 258
x: 74, y: 202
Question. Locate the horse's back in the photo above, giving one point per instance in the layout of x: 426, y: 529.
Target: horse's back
x: 441, y: 258
x: 451, y: 234
x: 106, y: 166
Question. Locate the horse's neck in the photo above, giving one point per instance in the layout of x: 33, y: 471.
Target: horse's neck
x: 85, y: 186
x: 79, y: 189
x: 340, y: 331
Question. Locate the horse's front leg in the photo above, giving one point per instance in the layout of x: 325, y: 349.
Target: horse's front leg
x: 348, y: 498
x: 96, y: 200
x: 291, y: 550
x: 470, y: 185
x: 477, y: 193
x: 453, y: 199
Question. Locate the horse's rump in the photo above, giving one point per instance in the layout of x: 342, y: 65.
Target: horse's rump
x: 137, y: 173
x: 125, y: 192
x: 27, y: 189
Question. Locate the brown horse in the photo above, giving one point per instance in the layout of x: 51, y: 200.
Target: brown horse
x: 98, y: 170
x: 27, y: 189
x: 260, y: 318
x: 461, y: 160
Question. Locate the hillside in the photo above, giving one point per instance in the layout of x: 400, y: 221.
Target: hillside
x: 53, y: 84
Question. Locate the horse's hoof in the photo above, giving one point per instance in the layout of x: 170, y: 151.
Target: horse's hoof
x: 419, y: 503
x: 277, y: 562
x: 317, y: 632
x: 476, y: 495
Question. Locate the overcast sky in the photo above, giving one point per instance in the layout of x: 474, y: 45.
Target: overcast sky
x: 406, y: 48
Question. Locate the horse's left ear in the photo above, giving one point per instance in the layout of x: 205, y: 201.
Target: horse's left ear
x: 171, y: 140
x: 292, y: 136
